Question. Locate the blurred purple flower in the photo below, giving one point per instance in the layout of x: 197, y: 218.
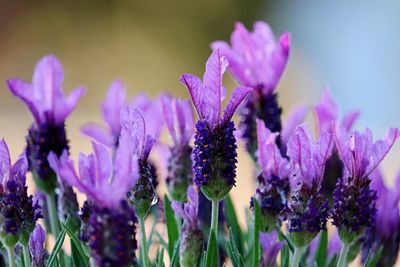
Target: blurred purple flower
x: 256, y: 58
x: 36, y: 246
x: 44, y: 97
x: 271, y: 247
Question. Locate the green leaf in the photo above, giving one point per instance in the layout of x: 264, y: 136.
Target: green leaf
x: 212, y: 251
x: 175, y: 255
x: 256, y: 233
x: 172, y: 228
x: 160, y: 260
x: 231, y: 220
x: 372, y: 261
x: 57, y: 246
x: 234, y: 254
x: 79, y: 257
x: 321, y: 252
x: 282, y: 236
x: 161, y: 240
x: 333, y: 261
x: 285, y: 256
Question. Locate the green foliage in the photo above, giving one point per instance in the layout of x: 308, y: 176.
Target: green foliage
x: 172, y: 227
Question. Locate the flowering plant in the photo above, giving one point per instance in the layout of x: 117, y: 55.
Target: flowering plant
x: 306, y: 184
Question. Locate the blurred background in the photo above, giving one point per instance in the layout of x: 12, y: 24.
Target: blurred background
x: 353, y: 48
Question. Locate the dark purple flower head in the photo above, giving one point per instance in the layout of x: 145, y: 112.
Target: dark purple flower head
x: 44, y: 97
x: 271, y: 247
x: 191, y: 241
x: 307, y: 159
x: 36, y: 246
x: 360, y: 156
x: 256, y: 58
x: 327, y: 113
x: 207, y: 95
x: 178, y: 117
x: 215, y: 145
x: 105, y: 182
x: 18, y: 211
x: 110, y: 109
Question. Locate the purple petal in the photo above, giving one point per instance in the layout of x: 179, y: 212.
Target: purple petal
x: 20, y: 168
x: 349, y: 119
x: 215, y: 68
x: 112, y: 105
x: 178, y: 209
x: 237, y: 97
x: 36, y: 245
x: 295, y: 117
x: 271, y: 247
x: 24, y: 91
x: 322, y: 152
x: 168, y: 114
x: 284, y: 42
x: 104, y: 163
x: 133, y: 123
x: 98, y: 133
x: 196, y: 90
x: 381, y: 148
x: 5, y: 162
x: 326, y: 111
x: 64, y: 106
x: 184, y: 114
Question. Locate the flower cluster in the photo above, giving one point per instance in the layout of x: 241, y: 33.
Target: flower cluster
x: 320, y: 198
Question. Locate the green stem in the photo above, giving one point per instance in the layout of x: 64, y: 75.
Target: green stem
x: 342, y: 262
x: 27, y: 256
x: 296, y: 257
x: 214, y: 216
x: 52, y: 210
x: 143, y: 243
x: 11, y: 256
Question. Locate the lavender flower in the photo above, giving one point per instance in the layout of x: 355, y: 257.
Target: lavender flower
x: 307, y: 209
x: 385, y: 232
x: 257, y: 60
x: 215, y: 145
x: 273, y: 181
x: 142, y: 196
x: 36, y: 246
x: 360, y: 156
x: 105, y: 182
x: 111, y: 109
x: 271, y: 247
x: 178, y: 117
x: 191, y: 241
x: 18, y: 212
x: 327, y: 113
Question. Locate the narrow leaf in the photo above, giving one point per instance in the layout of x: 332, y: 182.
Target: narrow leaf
x: 175, y: 255
x: 372, y: 261
x: 256, y: 233
x: 321, y: 252
x: 80, y: 255
x: 235, y: 255
x: 332, y: 262
x: 57, y: 246
x: 212, y: 253
x: 231, y: 220
x: 172, y: 228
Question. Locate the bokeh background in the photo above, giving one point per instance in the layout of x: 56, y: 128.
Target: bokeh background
x: 353, y: 48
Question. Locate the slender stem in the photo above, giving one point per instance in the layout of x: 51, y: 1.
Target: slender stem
x: 214, y: 216
x: 52, y: 210
x: 342, y: 262
x: 296, y: 257
x: 27, y: 256
x: 143, y: 243
x: 11, y: 256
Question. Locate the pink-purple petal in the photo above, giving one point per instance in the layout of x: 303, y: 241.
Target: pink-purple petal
x: 238, y: 95
x: 112, y: 105
x: 98, y: 133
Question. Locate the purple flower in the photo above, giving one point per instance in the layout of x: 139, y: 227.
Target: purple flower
x: 360, y: 156
x: 307, y: 210
x: 191, y: 241
x: 44, y: 97
x: 36, y: 246
x: 18, y: 211
x: 111, y: 109
x: 178, y: 117
x: 215, y: 144
x: 273, y: 186
x: 256, y: 58
x: 103, y: 181
x: 271, y: 247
